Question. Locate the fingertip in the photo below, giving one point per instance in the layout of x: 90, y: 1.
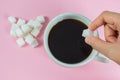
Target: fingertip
x: 91, y: 28
x: 99, y: 21
x: 87, y: 40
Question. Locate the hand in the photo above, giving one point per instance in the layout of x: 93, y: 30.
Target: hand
x: 111, y: 47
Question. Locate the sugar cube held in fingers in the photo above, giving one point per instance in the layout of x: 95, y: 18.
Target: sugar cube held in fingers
x: 87, y: 32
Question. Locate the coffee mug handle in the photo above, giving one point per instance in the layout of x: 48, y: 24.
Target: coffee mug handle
x: 101, y: 58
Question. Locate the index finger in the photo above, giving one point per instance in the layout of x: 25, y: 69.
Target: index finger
x: 105, y: 17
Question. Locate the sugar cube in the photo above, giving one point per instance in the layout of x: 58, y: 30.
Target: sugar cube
x: 41, y: 19
x: 19, y: 32
x: 26, y: 28
x: 30, y: 22
x: 20, y: 42
x: 13, y: 30
x: 13, y: 33
x: 29, y: 39
x: 12, y: 19
x: 36, y: 24
x: 20, y: 22
x: 14, y: 27
x: 35, y: 44
x: 35, y: 32
x: 87, y: 32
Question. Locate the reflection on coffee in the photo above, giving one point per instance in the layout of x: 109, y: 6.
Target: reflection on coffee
x: 66, y: 42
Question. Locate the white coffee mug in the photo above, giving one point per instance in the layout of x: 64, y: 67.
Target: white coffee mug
x: 94, y: 54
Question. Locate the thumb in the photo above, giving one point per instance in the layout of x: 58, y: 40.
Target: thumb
x: 98, y: 44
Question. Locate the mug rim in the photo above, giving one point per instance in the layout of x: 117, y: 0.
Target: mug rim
x: 53, y: 22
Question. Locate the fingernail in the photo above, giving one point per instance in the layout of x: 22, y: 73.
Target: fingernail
x: 88, y: 40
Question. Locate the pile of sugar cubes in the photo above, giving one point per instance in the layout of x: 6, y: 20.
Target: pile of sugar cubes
x: 26, y: 32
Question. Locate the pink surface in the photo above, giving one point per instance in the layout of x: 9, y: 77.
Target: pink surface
x: 33, y: 63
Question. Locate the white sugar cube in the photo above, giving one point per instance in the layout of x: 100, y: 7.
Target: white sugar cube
x: 20, y: 42
x: 13, y: 33
x: 30, y: 22
x: 41, y: 19
x: 20, y: 22
x: 35, y: 32
x: 36, y: 24
x: 87, y: 32
x: 14, y: 27
x: 35, y: 44
x: 39, y: 26
x: 13, y: 30
x: 12, y: 19
x: 19, y: 32
x: 25, y: 28
x: 29, y: 39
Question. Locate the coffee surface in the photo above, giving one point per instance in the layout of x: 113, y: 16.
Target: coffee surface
x: 66, y: 42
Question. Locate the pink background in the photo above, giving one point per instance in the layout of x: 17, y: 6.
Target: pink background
x: 33, y: 63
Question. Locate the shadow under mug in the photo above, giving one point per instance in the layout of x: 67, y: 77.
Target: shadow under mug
x: 93, y: 55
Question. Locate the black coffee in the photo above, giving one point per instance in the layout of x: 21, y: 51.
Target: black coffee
x: 66, y: 42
